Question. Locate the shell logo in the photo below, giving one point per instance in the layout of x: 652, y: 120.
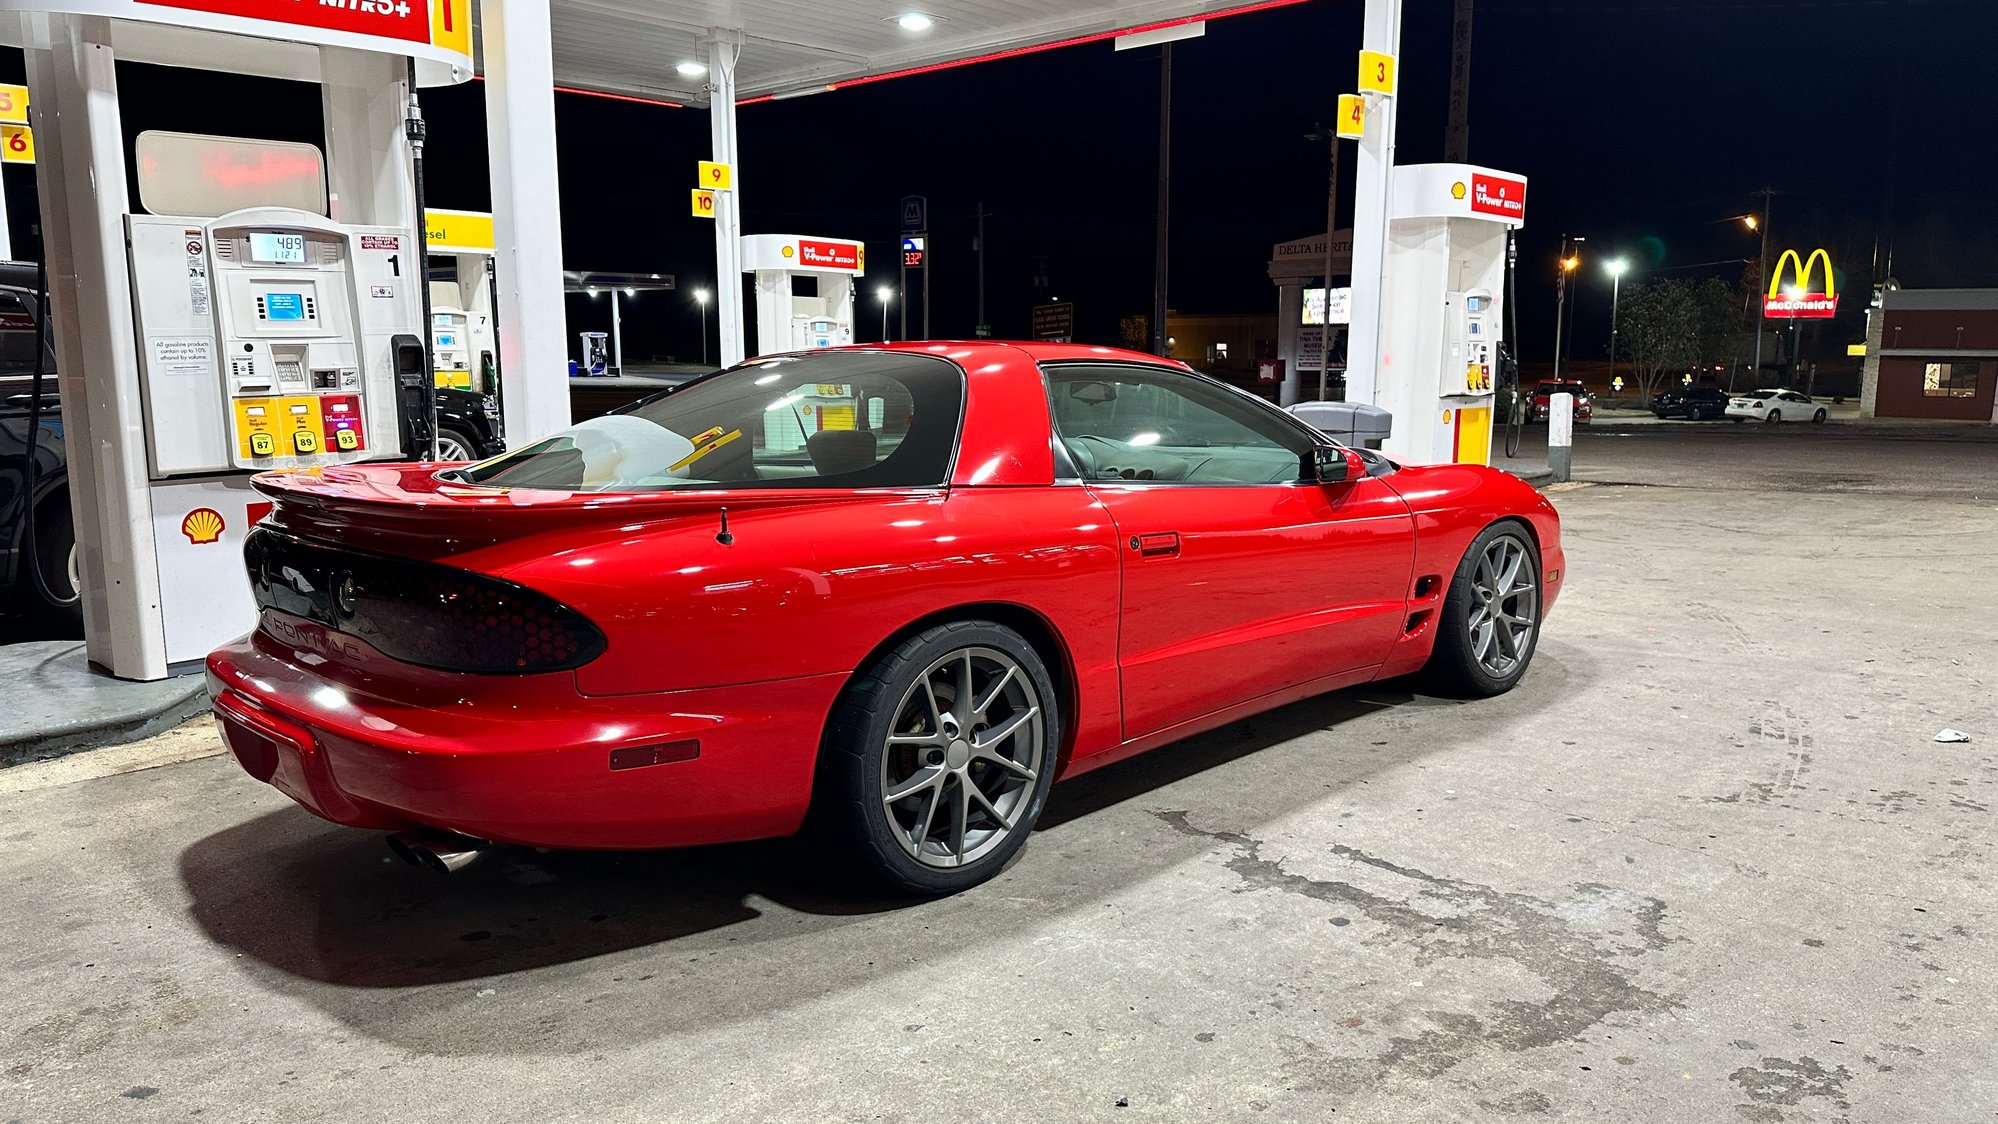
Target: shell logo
x: 787, y: 251
x: 1457, y: 190
x: 202, y: 526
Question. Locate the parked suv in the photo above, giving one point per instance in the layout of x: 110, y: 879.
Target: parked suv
x: 1537, y: 408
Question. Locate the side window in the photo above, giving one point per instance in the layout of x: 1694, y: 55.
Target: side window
x: 1127, y: 423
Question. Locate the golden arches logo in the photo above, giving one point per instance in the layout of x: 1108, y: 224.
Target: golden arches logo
x: 1799, y: 302
x: 202, y: 526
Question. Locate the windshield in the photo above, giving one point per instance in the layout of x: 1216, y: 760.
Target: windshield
x: 835, y: 419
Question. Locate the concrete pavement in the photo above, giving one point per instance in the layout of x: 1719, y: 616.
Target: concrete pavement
x: 1705, y: 864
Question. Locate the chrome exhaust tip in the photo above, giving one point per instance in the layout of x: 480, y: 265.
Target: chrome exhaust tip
x: 440, y: 852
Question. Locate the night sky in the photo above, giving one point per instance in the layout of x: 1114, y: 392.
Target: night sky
x: 1647, y: 125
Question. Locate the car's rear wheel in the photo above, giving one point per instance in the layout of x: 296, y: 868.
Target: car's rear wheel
x: 939, y: 757
x: 1491, y: 617
x: 1818, y: 418
x: 55, y: 603
x: 1692, y: 412
x: 1773, y: 416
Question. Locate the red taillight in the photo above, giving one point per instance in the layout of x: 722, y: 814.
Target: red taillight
x: 420, y: 612
x: 256, y: 736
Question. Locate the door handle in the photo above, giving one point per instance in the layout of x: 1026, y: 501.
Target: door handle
x: 1159, y: 544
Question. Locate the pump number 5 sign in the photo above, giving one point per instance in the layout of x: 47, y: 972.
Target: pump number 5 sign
x: 13, y: 104
x: 17, y: 144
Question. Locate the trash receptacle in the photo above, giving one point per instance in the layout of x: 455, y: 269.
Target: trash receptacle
x: 1350, y: 423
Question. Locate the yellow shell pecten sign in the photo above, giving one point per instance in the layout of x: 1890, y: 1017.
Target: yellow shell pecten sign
x: 202, y: 526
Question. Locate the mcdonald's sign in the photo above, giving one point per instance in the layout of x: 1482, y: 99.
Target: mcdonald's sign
x: 1798, y: 302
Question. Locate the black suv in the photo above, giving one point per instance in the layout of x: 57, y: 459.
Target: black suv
x: 1696, y: 403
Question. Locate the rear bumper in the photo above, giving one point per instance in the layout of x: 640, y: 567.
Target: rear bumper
x: 525, y: 759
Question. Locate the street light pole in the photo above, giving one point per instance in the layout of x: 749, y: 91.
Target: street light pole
x: 885, y: 294
x: 701, y: 298
x: 1761, y: 279
x: 1567, y: 267
x: 1616, y: 269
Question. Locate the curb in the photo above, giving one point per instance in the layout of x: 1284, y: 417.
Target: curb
x: 69, y: 708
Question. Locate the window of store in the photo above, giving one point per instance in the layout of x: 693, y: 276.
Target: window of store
x: 1955, y: 379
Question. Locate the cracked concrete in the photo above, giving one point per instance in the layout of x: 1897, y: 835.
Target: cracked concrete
x: 1704, y: 865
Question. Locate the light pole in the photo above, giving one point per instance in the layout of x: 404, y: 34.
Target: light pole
x: 701, y: 298
x: 1795, y: 293
x: 886, y: 295
x: 1761, y: 223
x: 1616, y: 268
x: 1561, y: 280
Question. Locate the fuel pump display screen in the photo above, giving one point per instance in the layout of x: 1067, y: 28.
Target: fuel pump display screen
x: 1476, y: 304
x: 284, y: 306
x: 279, y: 249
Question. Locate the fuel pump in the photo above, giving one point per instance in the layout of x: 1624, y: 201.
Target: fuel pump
x: 787, y: 320
x: 1442, y: 307
x: 222, y: 306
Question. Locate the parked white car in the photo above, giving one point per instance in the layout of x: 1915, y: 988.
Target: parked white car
x: 1775, y: 406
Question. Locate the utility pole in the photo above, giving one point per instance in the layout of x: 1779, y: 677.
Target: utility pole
x: 1457, y: 134
x: 1165, y: 201
x: 1566, y: 270
x: 1761, y: 283
x: 983, y: 329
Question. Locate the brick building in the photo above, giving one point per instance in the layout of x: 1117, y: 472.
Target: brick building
x: 1932, y: 353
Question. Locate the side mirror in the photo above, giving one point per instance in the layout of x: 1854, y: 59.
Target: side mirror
x: 1333, y: 465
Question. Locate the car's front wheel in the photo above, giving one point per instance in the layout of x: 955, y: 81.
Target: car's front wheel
x: 1491, y: 617
x: 1692, y: 413
x: 1773, y: 416
x: 939, y: 757
x: 1818, y: 418
x: 456, y: 445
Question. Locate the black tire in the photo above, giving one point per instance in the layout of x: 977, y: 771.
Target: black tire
x: 1692, y: 412
x: 1454, y: 667
x: 57, y: 612
x: 1772, y: 417
x: 466, y: 442
x: 848, y: 806
x: 1818, y: 418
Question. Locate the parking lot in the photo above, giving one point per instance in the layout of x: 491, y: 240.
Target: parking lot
x: 1707, y: 863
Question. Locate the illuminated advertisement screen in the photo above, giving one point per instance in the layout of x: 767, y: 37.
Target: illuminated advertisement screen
x: 1314, y: 306
x: 284, y: 306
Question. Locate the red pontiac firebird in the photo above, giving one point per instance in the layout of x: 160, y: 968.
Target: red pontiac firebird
x: 899, y: 589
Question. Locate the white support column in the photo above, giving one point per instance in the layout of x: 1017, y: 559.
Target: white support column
x: 83, y: 203
x: 723, y: 50
x: 6, y: 235
x: 1367, y: 367
x: 617, y: 332
x: 527, y: 227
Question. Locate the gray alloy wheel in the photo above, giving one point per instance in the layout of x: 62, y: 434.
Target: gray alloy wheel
x: 1505, y: 608
x: 960, y: 762
x: 938, y: 758
x: 1490, y: 622
x: 1818, y: 418
x: 1773, y: 416
x: 454, y: 446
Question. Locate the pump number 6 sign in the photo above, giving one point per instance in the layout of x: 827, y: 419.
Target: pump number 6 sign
x: 17, y: 144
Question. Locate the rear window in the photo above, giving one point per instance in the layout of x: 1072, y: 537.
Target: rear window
x: 836, y: 419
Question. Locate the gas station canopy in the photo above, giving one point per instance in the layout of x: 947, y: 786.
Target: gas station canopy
x: 794, y: 47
